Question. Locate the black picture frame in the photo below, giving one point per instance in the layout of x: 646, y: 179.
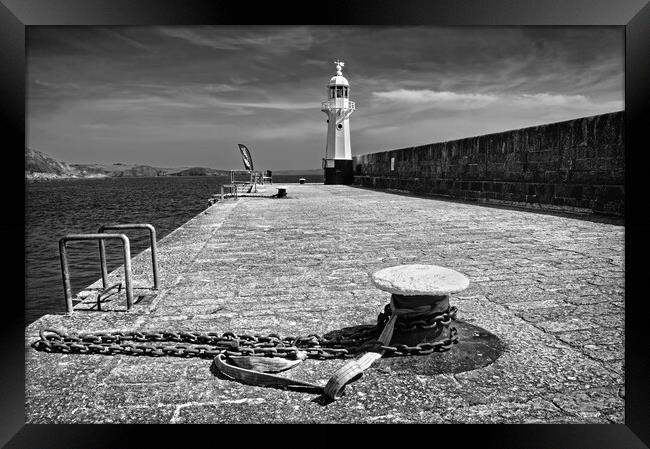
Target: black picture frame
x: 633, y: 15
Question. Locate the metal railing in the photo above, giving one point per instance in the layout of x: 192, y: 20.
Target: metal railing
x: 233, y: 190
x: 121, y: 227
x: 101, y: 236
x: 126, y: 249
x: 329, y: 105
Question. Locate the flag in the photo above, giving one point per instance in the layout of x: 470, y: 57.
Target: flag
x: 246, y: 157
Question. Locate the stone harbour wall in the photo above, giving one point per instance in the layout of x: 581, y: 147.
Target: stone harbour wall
x: 572, y: 165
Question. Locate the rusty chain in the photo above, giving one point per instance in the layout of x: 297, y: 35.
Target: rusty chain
x: 210, y: 344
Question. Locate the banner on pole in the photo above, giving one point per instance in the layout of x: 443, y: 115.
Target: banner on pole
x: 246, y: 157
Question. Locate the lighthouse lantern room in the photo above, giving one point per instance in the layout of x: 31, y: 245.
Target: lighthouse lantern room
x: 338, y: 108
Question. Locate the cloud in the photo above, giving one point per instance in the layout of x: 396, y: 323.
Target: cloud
x: 285, y: 105
x: 464, y: 101
x: 131, y: 42
x: 201, y: 40
x: 142, y: 90
x: 57, y: 85
x: 275, y: 40
x: 218, y: 88
x: 142, y: 103
x: 291, y: 132
x: 547, y: 104
x: 193, y: 100
x: 443, y: 99
x: 546, y: 99
x: 401, y: 117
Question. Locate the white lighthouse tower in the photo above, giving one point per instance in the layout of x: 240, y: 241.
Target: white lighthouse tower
x: 338, y: 107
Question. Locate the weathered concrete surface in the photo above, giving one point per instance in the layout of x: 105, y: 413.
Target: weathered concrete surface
x: 551, y: 288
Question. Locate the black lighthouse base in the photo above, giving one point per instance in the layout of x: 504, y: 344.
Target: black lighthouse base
x: 341, y: 173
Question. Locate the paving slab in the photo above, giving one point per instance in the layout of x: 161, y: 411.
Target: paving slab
x: 549, y: 289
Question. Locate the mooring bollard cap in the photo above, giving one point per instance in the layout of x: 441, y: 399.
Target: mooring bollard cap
x: 411, y: 280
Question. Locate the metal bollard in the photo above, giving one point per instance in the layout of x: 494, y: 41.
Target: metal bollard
x: 419, y: 292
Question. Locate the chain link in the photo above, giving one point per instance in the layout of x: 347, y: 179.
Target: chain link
x: 346, y: 344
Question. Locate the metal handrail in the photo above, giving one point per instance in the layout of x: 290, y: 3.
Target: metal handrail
x: 233, y: 190
x: 152, y: 238
x: 65, y: 272
x: 329, y: 105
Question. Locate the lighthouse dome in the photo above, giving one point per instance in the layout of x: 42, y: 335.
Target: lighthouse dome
x: 338, y: 80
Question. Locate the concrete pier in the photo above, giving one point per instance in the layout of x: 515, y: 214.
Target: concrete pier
x: 551, y: 288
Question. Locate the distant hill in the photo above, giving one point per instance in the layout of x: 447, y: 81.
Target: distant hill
x: 139, y: 171
x: 200, y: 171
x: 41, y: 165
x: 120, y: 169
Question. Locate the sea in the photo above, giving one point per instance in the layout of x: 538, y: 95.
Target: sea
x: 55, y: 208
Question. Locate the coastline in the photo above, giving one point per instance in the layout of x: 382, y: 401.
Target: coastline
x: 37, y: 177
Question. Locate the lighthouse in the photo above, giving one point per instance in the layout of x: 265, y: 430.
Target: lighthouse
x: 337, y: 163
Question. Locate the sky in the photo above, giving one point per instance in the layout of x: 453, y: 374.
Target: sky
x: 186, y: 96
